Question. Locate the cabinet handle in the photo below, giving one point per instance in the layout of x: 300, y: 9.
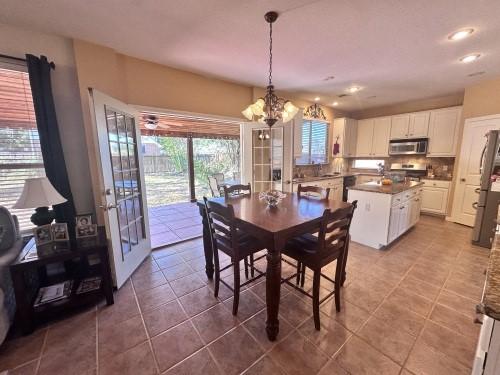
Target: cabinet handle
x: 462, y: 180
x: 477, y: 191
x: 474, y: 205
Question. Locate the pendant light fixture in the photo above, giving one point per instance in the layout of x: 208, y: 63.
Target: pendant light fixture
x: 270, y: 108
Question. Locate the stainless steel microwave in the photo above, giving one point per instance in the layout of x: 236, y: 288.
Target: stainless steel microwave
x: 408, y: 147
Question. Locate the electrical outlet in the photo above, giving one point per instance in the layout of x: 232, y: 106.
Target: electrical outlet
x: 445, y: 168
x: 367, y: 207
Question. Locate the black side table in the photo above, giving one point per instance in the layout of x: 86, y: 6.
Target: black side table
x: 29, y: 274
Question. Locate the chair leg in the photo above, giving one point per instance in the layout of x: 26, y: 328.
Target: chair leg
x: 252, y: 270
x: 299, y: 273
x: 245, y: 261
x: 217, y: 274
x: 316, y: 283
x: 236, y: 286
x: 303, y: 276
x: 339, y: 280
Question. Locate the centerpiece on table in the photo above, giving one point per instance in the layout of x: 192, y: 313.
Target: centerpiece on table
x: 272, y: 197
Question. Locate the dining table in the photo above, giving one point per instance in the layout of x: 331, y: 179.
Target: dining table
x: 273, y: 226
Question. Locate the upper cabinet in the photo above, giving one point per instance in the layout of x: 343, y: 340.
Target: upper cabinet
x: 373, y: 137
x: 410, y: 125
x: 444, y: 126
x: 297, y: 134
x: 344, y: 133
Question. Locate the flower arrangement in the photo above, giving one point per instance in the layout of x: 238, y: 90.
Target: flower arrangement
x: 272, y: 198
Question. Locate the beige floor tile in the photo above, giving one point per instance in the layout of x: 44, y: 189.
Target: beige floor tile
x: 200, y: 363
x: 265, y: 366
x: 357, y: 357
x: 27, y: 369
x: 257, y: 328
x: 149, y: 299
x: 17, y: 351
x: 400, y: 318
x: 411, y: 301
x: 117, y: 338
x: 350, y: 316
x: 455, y: 321
x: 424, y: 360
x: 333, y: 367
x: 420, y: 287
x: 235, y: 351
x: 297, y: 355
x: 198, y: 301
x: 186, y: 284
x: 178, y: 271
x: 458, y: 303
x: 176, y: 344
x: 164, y: 317
x: 137, y: 360
x: 169, y: 261
x: 148, y: 281
x: 214, y: 322
x: 249, y: 304
x: 294, y: 309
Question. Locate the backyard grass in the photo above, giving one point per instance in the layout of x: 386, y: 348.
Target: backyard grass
x: 167, y: 188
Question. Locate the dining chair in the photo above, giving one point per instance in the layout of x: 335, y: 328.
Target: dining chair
x: 233, y: 242
x: 313, y: 191
x: 237, y: 190
x: 219, y: 177
x: 332, y: 243
x: 214, y: 187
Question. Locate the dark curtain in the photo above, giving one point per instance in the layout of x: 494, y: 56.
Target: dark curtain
x: 39, y: 69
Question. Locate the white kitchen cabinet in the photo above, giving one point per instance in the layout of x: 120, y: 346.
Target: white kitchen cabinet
x: 394, y: 223
x: 435, y: 196
x: 415, y: 208
x: 381, y: 132
x: 419, y: 124
x: 404, y: 218
x: 444, y: 125
x: 344, y: 132
x: 373, y: 137
x: 334, y: 184
x: 410, y: 125
x: 365, y: 138
x: 399, y: 126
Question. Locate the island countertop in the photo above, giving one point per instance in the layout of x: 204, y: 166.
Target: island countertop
x: 395, y: 188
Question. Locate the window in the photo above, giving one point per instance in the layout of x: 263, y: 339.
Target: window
x: 367, y: 163
x: 314, y: 143
x: 20, y: 154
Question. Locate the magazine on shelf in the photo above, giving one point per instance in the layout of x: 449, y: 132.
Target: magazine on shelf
x: 89, y: 284
x: 53, y: 293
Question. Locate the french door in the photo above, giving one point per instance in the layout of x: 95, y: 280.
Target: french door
x: 123, y: 198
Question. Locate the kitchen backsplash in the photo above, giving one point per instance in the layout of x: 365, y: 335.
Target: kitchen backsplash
x: 337, y: 165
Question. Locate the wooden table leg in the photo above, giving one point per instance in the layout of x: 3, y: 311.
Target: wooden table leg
x: 344, y: 261
x: 273, y: 285
x: 207, y: 244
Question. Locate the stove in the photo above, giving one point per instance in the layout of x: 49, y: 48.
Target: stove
x: 414, y: 172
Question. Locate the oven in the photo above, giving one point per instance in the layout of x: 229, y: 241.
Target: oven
x: 408, y: 147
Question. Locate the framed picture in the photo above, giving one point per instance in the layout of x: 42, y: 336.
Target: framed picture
x: 60, y: 232
x: 43, y: 234
x: 84, y: 231
x: 82, y: 220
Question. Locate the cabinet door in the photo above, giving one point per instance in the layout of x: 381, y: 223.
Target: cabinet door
x: 381, y: 132
x: 339, y: 133
x: 297, y: 134
x: 434, y: 200
x: 350, y: 135
x: 419, y: 124
x: 365, y: 138
x: 415, y: 211
x: 399, y: 126
x: 443, y: 131
x: 394, y: 223
x: 404, y: 222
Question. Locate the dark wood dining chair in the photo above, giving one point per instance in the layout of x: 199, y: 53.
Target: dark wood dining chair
x: 316, y: 252
x: 237, y: 190
x: 233, y: 242
x: 313, y: 191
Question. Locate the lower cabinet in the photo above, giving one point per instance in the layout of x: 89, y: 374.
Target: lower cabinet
x: 435, y: 196
x: 335, y: 185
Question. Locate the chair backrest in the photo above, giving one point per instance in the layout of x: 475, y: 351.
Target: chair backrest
x: 237, y: 190
x: 214, y: 187
x: 222, y: 226
x: 313, y: 191
x: 219, y: 177
x: 236, y: 176
x: 334, y: 231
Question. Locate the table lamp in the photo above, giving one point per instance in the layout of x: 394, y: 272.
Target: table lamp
x: 39, y: 193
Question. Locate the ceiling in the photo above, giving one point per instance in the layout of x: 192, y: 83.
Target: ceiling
x: 396, y: 50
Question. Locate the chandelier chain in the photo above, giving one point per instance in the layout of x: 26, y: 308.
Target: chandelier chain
x: 270, y: 53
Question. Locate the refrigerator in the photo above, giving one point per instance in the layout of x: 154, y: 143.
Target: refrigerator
x: 489, y: 198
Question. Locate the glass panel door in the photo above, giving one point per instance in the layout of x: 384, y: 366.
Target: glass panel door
x: 127, y: 186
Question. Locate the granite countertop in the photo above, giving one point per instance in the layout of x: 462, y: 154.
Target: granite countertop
x: 490, y: 303
x: 324, y: 177
x: 437, y: 178
x: 395, y: 188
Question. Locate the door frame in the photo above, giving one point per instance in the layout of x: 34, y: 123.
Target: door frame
x: 456, y: 178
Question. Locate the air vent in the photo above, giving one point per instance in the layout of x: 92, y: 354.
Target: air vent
x: 343, y: 95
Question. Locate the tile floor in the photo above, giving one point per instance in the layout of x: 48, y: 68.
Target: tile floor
x: 406, y: 310
x: 172, y: 223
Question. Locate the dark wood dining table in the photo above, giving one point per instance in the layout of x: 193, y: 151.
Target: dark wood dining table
x: 274, y: 227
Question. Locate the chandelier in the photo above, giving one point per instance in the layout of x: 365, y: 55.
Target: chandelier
x: 270, y: 108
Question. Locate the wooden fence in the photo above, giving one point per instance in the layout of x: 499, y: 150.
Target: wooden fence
x: 165, y: 163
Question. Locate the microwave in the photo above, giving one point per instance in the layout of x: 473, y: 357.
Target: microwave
x: 408, y: 147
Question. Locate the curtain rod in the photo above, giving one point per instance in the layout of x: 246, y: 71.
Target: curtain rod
x: 12, y: 57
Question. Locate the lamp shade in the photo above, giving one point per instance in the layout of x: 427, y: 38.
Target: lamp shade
x: 38, y: 192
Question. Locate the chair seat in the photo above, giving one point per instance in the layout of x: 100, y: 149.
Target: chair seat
x: 247, y: 245
x: 304, y: 249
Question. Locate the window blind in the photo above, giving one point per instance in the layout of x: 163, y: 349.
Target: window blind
x: 20, y: 153
x: 314, y: 143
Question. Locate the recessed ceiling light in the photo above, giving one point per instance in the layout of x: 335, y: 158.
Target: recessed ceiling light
x: 470, y: 58
x: 460, y: 34
x: 335, y: 104
x: 475, y: 74
x: 353, y: 89
x: 317, y: 99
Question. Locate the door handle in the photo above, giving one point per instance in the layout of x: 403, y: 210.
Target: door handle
x: 474, y: 205
x: 108, y: 206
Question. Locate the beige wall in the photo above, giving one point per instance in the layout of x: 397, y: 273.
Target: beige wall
x: 411, y: 106
x: 17, y: 42
x: 482, y: 99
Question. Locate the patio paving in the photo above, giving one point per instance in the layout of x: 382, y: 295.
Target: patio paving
x: 172, y: 223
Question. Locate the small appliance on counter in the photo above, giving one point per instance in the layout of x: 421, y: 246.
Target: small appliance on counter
x: 489, y: 199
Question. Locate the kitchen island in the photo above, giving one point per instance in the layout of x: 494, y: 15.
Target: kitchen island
x: 385, y: 212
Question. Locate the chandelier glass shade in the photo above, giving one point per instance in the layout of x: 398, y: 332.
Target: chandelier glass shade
x: 270, y: 108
